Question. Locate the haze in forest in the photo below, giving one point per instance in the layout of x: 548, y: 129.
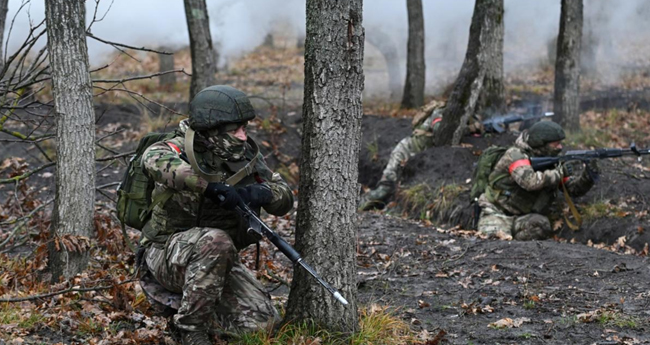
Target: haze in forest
x: 238, y: 26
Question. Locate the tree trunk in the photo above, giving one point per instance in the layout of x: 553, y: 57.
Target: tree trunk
x: 479, y: 86
x: 332, y: 112
x: 567, y: 66
x: 166, y: 63
x: 415, y: 70
x: 387, y: 47
x: 204, y: 63
x: 4, y: 6
x: 75, y: 135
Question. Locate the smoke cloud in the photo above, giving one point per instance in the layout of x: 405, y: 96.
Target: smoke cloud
x: 618, y: 28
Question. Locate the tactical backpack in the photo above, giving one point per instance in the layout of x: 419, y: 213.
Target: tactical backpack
x: 134, y: 202
x: 484, y: 167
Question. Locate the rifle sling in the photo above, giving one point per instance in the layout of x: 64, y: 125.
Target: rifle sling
x: 232, y: 180
x: 573, y: 226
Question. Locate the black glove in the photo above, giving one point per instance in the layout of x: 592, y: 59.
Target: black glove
x: 224, y: 195
x: 592, y: 170
x: 256, y: 195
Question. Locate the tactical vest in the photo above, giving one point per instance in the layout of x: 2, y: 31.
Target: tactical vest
x: 185, y: 210
x: 507, y: 194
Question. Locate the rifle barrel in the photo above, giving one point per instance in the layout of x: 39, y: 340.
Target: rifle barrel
x: 288, y: 250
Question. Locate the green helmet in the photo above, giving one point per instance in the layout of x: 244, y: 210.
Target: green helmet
x: 544, y: 132
x: 219, y: 105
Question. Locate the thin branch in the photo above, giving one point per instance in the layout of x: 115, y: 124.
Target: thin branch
x: 22, y: 221
x: 33, y: 297
x: 132, y: 93
x: 149, y: 76
x: 124, y: 154
x: 27, y: 174
x: 114, y: 44
x: 108, y: 185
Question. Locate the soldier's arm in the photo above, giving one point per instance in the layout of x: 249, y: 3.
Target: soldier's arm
x: 164, y: 165
x: 523, y: 174
x: 282, y: 195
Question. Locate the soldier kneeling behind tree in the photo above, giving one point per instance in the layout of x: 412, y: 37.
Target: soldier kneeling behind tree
x: 193, y: 238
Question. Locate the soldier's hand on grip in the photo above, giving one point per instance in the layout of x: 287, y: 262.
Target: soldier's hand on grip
x: 229, y: 196
x: 256, y: 195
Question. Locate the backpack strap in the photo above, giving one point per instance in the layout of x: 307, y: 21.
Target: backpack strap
x: 232, y: 180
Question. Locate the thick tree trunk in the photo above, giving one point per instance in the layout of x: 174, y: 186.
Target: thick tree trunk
x: 413, y: 96
x: 204, y: 63
x: 75, y: 134
x: 4, y: 6
x: 387, y: 47
x: 479, y: 86
x: 332, y: 112
x: 567, y: 66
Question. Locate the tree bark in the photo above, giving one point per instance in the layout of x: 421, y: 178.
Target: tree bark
x: 4, y: 6
x: 566, y: 103
x: 387, y: 47
x: 479, y: 86
x: 332, y: 111
x: 166, y: 63
x: 75, y: 134
x: 413, y: 96
x: 204, y: 62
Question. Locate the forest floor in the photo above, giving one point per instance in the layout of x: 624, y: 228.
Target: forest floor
x: 419, y: 257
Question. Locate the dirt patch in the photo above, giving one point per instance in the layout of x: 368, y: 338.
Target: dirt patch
x: 561, y: 293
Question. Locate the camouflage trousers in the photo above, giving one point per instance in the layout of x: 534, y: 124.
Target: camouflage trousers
x: 203, y: 267
x: 420, y: 140
x: 494, y: 222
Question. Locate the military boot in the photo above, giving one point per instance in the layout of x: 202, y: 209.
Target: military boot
x: 196, y: 338
x: 377, y: 198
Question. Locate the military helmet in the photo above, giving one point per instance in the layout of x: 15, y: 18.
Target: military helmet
x: 219, y: 105
x: 544, y: 132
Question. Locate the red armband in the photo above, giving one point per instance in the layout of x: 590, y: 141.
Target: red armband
x: 517, y: 164
x: 174, y: 147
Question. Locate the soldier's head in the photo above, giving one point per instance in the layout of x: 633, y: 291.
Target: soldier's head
x: 545, y: 137
x: 220, y: 114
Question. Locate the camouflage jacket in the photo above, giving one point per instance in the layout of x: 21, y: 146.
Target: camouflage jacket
x: 515, y: 188
x: 187, y: 207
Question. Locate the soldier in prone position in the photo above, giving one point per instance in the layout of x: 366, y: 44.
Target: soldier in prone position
x: 426, y: 123
x: 193, y: 239
x: 517, y: 199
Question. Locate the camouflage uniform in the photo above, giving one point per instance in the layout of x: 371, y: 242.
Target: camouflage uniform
x: 518, y: 199
x: 193, y: 244
x: 425, y: 123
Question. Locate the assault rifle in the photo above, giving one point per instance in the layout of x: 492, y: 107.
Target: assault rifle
x: 498, y: 123
x: 259, y: 228
x: 544, y: 163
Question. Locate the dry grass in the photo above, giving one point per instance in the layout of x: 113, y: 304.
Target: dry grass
x: 377, y: 326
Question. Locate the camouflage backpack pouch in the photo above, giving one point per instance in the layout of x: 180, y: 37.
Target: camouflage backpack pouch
x: 134, y: 202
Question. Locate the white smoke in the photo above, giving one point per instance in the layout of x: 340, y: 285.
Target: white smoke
x: 238, y: 26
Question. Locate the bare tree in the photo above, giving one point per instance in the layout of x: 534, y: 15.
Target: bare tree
x: 204, y: 63
x: 479, y: 86
x: 166, y: 63
x: 387, y: 47
x: 332, y: 111
x: 415, y: 69
x: 566, y: 103
x: 72, y: 218
x: 4, y: 6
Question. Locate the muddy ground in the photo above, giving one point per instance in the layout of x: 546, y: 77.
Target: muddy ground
x: 443, y: 279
